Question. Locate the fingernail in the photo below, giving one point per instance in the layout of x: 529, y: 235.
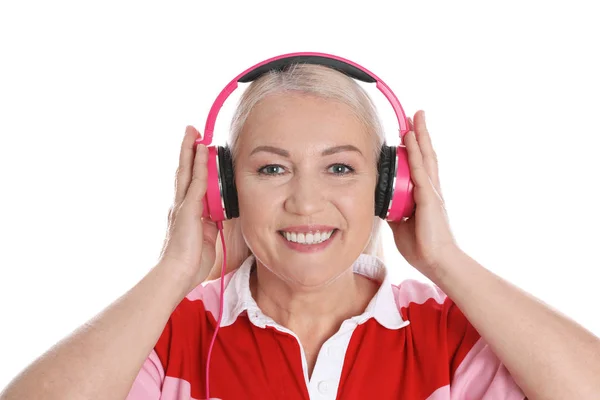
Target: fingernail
x: 423, y: 116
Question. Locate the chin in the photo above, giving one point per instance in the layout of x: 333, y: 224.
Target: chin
x: 307, y: 278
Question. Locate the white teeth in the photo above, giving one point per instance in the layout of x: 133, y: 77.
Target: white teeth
x: 308, y: 238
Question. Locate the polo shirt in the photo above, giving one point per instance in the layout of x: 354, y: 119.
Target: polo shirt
x: 411, y: 342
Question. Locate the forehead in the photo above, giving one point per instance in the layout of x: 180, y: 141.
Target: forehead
x: 294, y: 119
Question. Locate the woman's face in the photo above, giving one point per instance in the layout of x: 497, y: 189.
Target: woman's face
x: 305, y: 166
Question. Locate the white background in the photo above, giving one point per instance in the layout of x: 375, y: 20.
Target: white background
x: 94, y: 100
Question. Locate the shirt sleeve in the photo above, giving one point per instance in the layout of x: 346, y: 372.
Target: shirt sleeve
x: 169, y: 369
x: 149, y: 381
x: 476, y: 372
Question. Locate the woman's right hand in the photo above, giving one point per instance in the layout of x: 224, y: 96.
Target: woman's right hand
x: 189, y: 246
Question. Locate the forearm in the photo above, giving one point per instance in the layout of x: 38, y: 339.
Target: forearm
x: 102, y: 358
x: 548, y: 355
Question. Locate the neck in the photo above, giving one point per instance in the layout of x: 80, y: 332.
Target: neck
x: 311, y: 311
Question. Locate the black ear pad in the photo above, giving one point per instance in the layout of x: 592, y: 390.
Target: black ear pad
x: 386, y: 168
x: 227, y: 178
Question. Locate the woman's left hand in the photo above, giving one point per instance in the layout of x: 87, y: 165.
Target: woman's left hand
x: 424, y: 238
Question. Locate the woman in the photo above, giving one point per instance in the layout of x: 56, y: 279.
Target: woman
x: 316, y: 320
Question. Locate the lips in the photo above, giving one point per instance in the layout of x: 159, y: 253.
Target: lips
x: 308, y: 228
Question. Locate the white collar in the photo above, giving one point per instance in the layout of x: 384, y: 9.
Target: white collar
x: 383, y: 306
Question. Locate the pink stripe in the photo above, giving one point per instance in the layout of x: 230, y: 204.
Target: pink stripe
x: 482, y: 375
x: 442, y: 393
x: 210, y: 294
x: 178, y: 389
x: 149, y: 380
x: 413, y: 291
x: 151, y: 383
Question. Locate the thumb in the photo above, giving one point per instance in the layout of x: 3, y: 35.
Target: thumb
x: 210, y: 232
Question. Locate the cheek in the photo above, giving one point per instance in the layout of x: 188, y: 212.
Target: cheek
x: 357, y: 203
x: 256, y: 213
x: 357, y: 194
x: 256, y: 201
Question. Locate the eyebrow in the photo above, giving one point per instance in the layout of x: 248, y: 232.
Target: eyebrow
x: 326, y: 152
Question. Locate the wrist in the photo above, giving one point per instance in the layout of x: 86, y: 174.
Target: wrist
x: 176, y: 281
x: 449, y: 257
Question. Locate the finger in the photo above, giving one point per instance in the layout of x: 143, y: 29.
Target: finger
x: 199, y: 179
x: 186, y: 160
x: 418, y: 172
x: 430, y: 159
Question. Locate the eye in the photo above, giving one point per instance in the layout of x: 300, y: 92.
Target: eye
x: 271, y: 169
x: 341, y: 169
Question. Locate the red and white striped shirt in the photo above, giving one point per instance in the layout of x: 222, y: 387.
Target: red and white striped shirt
x: 411, y: 342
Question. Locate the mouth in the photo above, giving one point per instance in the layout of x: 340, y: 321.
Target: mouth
x: 308, y: 238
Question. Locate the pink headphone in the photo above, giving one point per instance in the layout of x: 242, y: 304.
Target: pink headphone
x: 393, y: 193
x: 394, y: 190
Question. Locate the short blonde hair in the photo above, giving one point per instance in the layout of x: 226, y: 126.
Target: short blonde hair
x: 314, y: 80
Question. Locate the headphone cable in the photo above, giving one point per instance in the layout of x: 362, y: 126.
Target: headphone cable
x: 220, y: 226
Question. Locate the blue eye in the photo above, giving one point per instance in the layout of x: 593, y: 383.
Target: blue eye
x: 274, y: 169
x: 338, y: 169
x: 270, y: 169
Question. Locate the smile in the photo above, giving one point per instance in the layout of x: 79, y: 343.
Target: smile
x: 307, y: 238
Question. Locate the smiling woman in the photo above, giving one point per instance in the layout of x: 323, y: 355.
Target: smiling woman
x: 304, y: 307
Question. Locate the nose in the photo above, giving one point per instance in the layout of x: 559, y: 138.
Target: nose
x: 306, y: 195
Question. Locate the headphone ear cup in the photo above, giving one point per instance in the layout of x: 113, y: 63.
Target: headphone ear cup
x: 386, y: 171
x: 227, y: 183
x: 402, y: 203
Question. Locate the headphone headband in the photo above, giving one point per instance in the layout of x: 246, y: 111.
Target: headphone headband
x: 393, y: 192
x: 343, y: 65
